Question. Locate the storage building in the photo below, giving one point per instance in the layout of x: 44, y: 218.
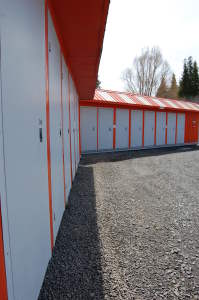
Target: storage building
x: 49, y: 58
x: 120, y: 121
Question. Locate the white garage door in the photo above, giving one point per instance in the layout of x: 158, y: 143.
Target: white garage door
x: 149, y: 127
x: 55, y: 129
x: 122, y: 128
x: 160, y: 128
x: 105, y: 128
x: 180, y: 128
x: 136, y: 128
x: 171, y: 128
x: 88, y: 125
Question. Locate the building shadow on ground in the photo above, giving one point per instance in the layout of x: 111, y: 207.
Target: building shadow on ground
x: 93, y: 158
x: 74, y: 271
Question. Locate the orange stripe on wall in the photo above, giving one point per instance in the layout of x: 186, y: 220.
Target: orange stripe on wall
x: 62, y: 125
x: 3, y: 281
x: 71, y: 172
x: 114, y: 127
x: 48, y: 124
x: 129, y: 128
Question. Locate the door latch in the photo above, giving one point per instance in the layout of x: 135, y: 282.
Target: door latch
x: 40, y: 135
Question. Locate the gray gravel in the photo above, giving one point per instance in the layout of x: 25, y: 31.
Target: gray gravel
x: 132, y: 229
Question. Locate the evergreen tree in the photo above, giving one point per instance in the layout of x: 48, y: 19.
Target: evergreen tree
x: 190, y: 76
x: 173, y: 90
x: 184, y: 82
x: 162, y: 91
x: 195, y: 83
x: 189, y: 83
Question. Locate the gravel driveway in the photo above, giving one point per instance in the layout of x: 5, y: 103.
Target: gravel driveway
x: 132, y: 229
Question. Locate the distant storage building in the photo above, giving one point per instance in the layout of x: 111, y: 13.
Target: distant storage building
x: 120, y: 121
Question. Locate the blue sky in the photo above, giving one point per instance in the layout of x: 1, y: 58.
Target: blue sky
x: 173, y: 25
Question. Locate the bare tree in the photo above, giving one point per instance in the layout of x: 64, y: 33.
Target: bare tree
x: 147, y: 72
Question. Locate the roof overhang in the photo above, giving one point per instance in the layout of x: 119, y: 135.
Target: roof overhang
x: 80, y: 26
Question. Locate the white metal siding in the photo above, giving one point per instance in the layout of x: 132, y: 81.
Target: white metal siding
x: 105, y: 128
x: 25, y: 197
x: 160, y: 128
x: 72, y: 127
x: 122, y: 128
x: 88, y: 123
x: 24, y: 110
x: 149, y: 128
x: 171, y: 128
x: 66, y: 133
x: 180, y: 128
x: 136, y: 128
x: 55, y: 128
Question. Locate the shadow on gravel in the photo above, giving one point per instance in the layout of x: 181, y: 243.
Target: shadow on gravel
x: 125, y: 155
x: 74, y: 271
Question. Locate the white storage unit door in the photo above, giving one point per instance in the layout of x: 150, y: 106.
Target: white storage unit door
x: 55, y: 129
x: 122, y: 128
x: 66, y: 132
x: 72, y: 127
x: 88, y: 125
x: 105, y: 128
x: 171, y: 128
x: 160, y: 128
x: 136, y: 128
x: 180, y: 128
x: 149, y: 127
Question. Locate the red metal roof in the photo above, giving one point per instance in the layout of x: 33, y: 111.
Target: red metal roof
x: 134, y: 100
x: 80, y: 26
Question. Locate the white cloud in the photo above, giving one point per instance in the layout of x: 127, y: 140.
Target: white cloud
x: 133, y: 24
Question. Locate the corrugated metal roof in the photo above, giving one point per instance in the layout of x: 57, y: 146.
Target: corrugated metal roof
x: 123, y: 98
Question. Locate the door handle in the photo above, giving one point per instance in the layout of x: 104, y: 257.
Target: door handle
x: 40, y: 135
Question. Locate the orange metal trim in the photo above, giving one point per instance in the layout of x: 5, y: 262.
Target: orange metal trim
x: 129, y: 128
x: 143, y: 128
x: 62, y: 125
x: 114, y: 127
x: 176, y: 128
x: 155, y: 128
x: 3, y: 281
x: 166, y: 128
x: 71, y: 171
x: 48, y: 124
x: 97, y: 129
